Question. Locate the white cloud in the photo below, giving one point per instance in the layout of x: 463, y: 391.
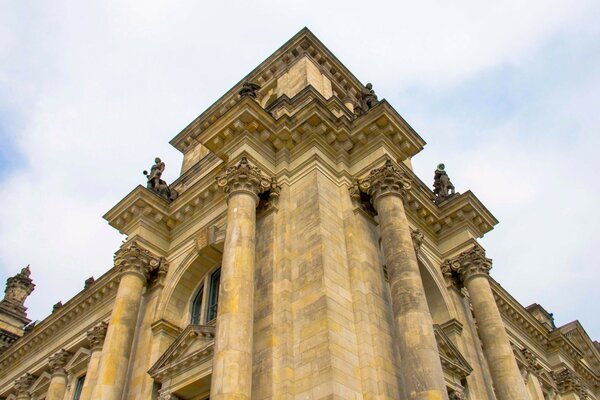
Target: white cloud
x: 99, y: 89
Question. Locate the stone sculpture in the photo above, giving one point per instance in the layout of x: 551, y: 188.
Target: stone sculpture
x: 442, y: 187
x: 249, y: 90
x: 156, y: 184
x: 368, y: 99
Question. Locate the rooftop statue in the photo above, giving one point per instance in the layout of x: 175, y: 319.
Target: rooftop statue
x: 249, y: 90
x: 368, y: 99
x: 442, y: 187
x: 156, y: 184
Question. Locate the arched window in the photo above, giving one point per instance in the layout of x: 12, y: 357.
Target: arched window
x: 204, y: 310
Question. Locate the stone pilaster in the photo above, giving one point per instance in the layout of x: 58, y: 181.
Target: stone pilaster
x: 58, y: 383
x: 420, y: 364
x: 472, y: 268
x: 135, y: 265
x: 22, y: 386
x: 96, y: 337
x: 232, y: 362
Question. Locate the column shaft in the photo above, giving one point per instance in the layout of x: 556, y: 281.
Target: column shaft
x: 232, y: 363
x: 91, y: 376
x: 119, y: 338
x: 419, y: 357
x: 508, y: 382
x: 58, y: 386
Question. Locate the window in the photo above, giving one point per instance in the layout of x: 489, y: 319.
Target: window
x: 197, y: 306
x: 205, y: 302
x: 79, y: 387
x: 213, y: 295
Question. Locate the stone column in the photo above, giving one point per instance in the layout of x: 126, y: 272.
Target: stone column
x: 96, y: 337
x: 473, y: 269
x: 58, y: 382
x: 232, y: 362
x: 420, y: 364
x: 135, y: 264
x: 22, y: 386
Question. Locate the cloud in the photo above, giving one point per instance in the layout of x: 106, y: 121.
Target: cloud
x: 90, y: 93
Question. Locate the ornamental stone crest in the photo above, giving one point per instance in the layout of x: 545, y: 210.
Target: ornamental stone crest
x: 96, y: 336
x: 244, y: 177
x: 23, y: 384
x: 467, y: 265
x: 58, y: 361
x: 134, y: 259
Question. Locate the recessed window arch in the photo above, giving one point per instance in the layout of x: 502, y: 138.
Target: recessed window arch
x: 205, y: 302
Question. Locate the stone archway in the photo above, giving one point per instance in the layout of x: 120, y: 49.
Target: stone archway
x: 437, y: 300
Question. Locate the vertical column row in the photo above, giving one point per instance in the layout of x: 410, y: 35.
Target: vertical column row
x: 473, y: 270
x: 96, y: 337
x: 232, y: 361
x: 58, y: 382
x: 420, y: 364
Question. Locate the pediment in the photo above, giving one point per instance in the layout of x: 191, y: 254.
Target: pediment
x: 304, y: 51
x: 40, y: 386
x: 580, y: 339
x: 193, y: 346
x: 453, y: 361
x: 79, y: 360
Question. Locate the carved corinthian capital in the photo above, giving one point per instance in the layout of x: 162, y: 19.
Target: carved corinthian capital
x: 244, y: 177
x: 23, y: 384
x: 58, y: 361
x: 468, y: 264
x: 136, y: 260
x: 96, y: 336
x: 387, y: 180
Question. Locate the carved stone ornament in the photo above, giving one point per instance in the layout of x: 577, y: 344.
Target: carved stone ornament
x: 456, y: 394
x: 467, y: 265
x: 18, y: 287
x: 134, y: 259
x: 57, y: 307
x: 96, y: 336
x: 417, y: 238
x: 442, y: 187
x: 156, y: 184
x: 244, y: 177
x: 386, y: 180
x: 58, y: 361
x: 167, y: 395
x: 249, y: 89
x: 368, y: 99
x: 88, y: 282
x: 23, y: 384
x: 568, y: 381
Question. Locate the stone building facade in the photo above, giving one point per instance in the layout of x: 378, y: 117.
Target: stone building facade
x: 296, y: 257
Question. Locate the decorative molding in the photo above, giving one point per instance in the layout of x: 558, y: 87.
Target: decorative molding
x: 57, y: 362
x: 245, y: 178
x: 96, y: 336
x: 567, y: 381
x: 384, y: 181
x: 23, y: 384
x: 417, y: 238
x: 467, y: 265
x: 136, y: 260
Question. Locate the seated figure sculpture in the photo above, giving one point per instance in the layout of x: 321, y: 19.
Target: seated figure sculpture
x: 156, y: 184
x: 442, y: 187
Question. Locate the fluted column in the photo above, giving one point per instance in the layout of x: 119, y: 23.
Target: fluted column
x: 58, y: 382
x: 96, y: 337
x: 22, y: 386
x: 232, y: 362
x: 135, y: 264
x: 420, y: 364
x: 473, y: 269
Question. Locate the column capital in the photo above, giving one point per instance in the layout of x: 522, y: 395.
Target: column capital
x: 23, y: 384
x: 133, y: 259
x: 96, y: 336
x: 568, y: 381
x: 58, y: 361
x: 244, y: 178
x: 387, y: 180
x: 468, y: 264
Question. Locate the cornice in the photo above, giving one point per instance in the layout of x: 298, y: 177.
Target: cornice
x: 344, y: 83
x: 55, y: 324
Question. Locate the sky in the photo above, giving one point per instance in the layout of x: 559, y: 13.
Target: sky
x: 506, y: 94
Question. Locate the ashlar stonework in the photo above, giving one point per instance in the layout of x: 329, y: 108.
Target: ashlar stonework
x: 297, y: 257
